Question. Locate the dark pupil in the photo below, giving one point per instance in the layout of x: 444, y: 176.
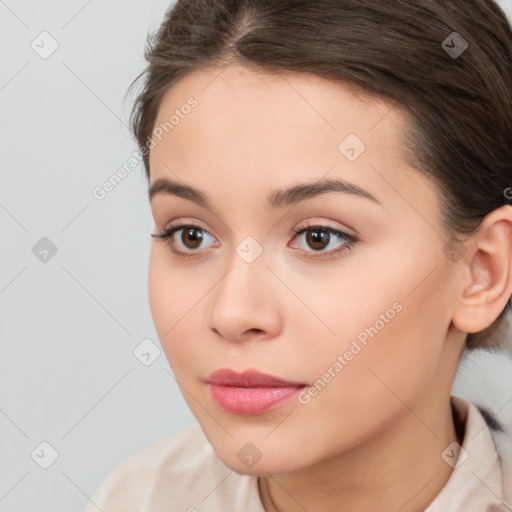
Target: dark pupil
x: 317, y: 239
x: 317, y: 236
x: 193, y: 237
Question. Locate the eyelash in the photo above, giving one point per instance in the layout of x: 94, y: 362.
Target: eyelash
x: 168, y: 232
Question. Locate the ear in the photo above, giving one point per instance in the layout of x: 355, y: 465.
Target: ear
x: 487, y: 281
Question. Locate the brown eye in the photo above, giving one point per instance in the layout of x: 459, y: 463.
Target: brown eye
x: 318, y: 239
x: 191, y: 237
x: 187, y: 243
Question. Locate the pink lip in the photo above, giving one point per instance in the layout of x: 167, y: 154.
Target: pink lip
x: 251, y: 392
x: 248, y: 379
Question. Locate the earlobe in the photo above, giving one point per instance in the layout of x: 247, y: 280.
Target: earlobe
x: 489, y: 267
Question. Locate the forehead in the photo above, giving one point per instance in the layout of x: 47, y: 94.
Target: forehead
x: 252, y: 131
x: 269, y: 110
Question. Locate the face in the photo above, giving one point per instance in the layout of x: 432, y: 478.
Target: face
x: 347, y: 291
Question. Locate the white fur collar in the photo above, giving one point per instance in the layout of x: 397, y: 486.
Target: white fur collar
x: 484, y: 378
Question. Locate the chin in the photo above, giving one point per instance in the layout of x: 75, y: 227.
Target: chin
x: 258, y: 459
x: 260, y: 468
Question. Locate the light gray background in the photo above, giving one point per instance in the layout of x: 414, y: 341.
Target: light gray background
x: 69, y: 325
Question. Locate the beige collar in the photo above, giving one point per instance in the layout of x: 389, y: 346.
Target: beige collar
x: 477, y: 481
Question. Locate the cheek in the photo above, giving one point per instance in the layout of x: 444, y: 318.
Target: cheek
x: 383, y: 377
x: 384, y: 298
x: 167, y: 298
x: 176, y: 302
x: 390, y: 327
x: 161, y: 291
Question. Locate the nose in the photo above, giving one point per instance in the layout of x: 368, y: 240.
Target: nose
x: 245, y: 302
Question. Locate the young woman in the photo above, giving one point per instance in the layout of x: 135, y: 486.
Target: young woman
x: 331, y: 186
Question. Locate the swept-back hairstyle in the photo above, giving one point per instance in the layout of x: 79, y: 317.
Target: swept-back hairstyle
x: 455, y: 88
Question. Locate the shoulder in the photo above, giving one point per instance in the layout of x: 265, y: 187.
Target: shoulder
x: 484, y: 378
x: 126, y: 486
x: 181, y: 470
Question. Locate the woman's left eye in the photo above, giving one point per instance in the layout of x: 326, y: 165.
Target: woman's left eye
x: 318, y: 237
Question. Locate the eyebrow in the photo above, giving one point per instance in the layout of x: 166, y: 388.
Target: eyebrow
x: 277, y: 199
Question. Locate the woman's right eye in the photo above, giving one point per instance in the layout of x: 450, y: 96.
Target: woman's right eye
x: 191, y: 237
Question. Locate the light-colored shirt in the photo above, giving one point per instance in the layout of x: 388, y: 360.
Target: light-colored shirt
x: 182, y: 473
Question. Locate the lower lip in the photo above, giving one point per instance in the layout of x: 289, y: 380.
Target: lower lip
x: 252, y: 401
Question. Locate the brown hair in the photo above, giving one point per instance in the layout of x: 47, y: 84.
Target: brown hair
x: 458, y: 98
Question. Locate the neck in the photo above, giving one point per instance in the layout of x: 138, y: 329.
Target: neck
x: 400, y: 469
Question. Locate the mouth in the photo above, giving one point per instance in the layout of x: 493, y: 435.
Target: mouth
x: 251, y: 392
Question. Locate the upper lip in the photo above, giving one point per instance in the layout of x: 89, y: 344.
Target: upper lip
x: 248, y: 379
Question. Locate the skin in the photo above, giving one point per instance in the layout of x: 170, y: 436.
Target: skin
x: 372, y: 438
